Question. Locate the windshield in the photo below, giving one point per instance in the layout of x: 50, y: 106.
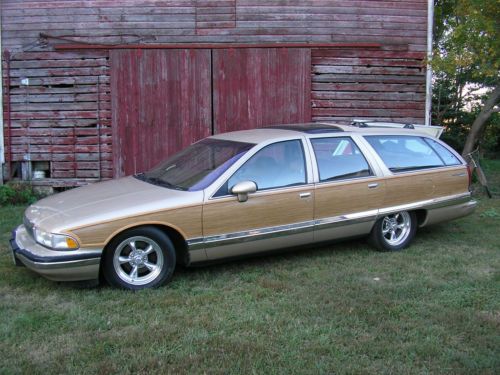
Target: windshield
x: 197, y: 166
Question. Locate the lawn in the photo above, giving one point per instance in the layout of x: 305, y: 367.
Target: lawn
x: 433, y: 308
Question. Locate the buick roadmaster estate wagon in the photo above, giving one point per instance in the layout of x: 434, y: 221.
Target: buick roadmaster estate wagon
x: 247, y: 192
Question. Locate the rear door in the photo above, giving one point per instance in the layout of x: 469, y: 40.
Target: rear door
x: 349, y: 190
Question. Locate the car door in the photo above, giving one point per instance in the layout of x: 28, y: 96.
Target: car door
x: 349, y: 190
x: 279, y: 214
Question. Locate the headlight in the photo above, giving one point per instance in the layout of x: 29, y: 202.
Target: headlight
x: 55, y: 241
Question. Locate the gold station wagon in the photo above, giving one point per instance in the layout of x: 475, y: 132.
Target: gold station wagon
x: 247, y: 192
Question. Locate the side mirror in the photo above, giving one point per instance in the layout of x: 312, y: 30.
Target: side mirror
x: 243, y: 188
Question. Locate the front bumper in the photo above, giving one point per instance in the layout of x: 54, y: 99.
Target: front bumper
x: 74, y: 265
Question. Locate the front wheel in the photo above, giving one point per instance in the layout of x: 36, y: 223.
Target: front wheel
x: 394, y: 232
x: 139, y: 258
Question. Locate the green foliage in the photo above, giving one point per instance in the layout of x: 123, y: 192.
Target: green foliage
x: 466, y: 64
x: 467, y: 39
x: 13, y: 194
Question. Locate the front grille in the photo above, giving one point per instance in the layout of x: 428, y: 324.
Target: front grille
x: 29, y: 226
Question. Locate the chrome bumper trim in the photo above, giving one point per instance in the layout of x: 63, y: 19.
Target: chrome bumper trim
x: 75, y: 265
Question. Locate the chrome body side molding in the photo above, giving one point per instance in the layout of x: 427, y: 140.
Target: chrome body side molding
x: 354, y: 224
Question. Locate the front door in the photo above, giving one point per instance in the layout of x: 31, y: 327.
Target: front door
x: 278, y: 215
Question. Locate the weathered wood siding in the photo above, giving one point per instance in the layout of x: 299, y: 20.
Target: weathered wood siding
x: 60, y: 112
x: 64, y: 114
x: 186, y: 21
x: 383, y: 84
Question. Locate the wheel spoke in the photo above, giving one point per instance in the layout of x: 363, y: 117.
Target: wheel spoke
x: 400, y: 226
x: 385, y: 230
x: 132, y: 245
x: 393, y: 235
x: 149, y: 250
x: 133, y: 273
x: 124, y: 260
x: 150, y: 266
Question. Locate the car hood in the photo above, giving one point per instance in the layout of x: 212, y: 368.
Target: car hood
x: 105, y: 201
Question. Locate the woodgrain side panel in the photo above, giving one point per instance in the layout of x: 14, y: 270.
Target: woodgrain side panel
x: 450, y: 182
x: 264, y: 209
x: 186, y: 221
x: 418, y: 186
x: 347, y: 197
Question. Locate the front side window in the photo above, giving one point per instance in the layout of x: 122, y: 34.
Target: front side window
x: 197, y: 166
x: 402, y: 153
x: 339, y: 158
x: 278, y: 165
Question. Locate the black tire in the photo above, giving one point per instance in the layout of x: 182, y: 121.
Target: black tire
x: 139, y: 258
x: 394, y: 232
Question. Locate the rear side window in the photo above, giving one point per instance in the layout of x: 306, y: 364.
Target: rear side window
x: 405, y: 153
x: 443, y: 152
x: 339, y: 158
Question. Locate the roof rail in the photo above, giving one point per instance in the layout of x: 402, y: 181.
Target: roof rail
x: 433, y: 130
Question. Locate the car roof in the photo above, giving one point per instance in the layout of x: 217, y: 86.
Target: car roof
x: 312, y: 128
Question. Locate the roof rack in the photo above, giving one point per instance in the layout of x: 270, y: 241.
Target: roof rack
x: 433, y: 130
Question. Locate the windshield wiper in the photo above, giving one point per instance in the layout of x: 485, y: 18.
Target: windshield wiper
x: 158, y: 181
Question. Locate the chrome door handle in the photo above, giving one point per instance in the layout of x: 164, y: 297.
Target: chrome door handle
x: 373, y: 186
x: 304, y: 195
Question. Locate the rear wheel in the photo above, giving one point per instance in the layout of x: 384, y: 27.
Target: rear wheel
x: 394, y: 232
x: 139, y: 258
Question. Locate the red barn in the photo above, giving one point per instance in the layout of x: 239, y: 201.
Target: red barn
x: 100, y: 88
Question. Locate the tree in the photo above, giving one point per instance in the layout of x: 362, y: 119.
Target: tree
x: 467, y: 54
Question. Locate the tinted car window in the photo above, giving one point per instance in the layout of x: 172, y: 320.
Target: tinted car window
x: 404, y: 153
x: 443, y: 152
x: 339, y: 158
x: 278, y: 165
x: 197, y: 166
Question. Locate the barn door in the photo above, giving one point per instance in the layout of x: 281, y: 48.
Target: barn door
x: 161, y: 103
x: 163, y: 100
x: 254, y: 87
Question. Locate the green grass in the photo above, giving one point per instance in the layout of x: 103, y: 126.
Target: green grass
x: 431, y: 309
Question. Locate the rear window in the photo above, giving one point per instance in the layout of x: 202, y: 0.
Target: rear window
x: 405, y: 153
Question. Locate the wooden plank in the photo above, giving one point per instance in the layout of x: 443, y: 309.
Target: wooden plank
x: 367, y: 70
x: 59, y: 63
x: 356, y: 113
x: 55, y: 122
x: 369, y: 62
x: 60, y: 98
x: 369, y: 104
x: 324, y: 90
x: 370, y: 78
x: 386, y: 96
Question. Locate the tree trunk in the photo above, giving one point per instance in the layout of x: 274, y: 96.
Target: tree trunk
x: 480, y: 121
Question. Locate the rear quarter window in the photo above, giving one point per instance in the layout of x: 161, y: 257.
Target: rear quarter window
x: 402, y: 153
x: 443, y: 152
